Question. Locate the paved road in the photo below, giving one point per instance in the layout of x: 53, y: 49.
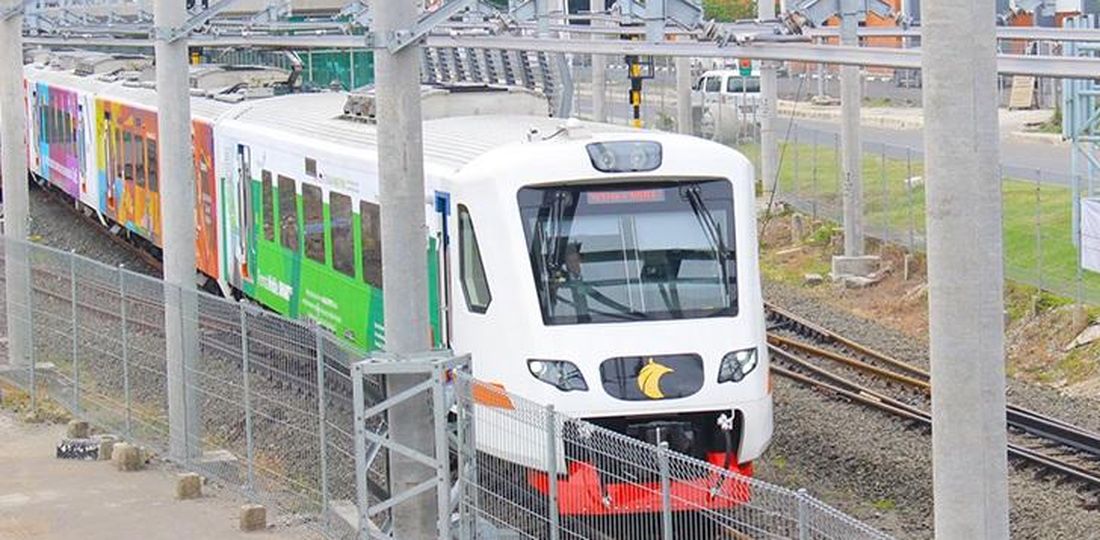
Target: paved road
x: 46, y: 498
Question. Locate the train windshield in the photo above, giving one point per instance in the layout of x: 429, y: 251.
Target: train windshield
x: 632, y: 252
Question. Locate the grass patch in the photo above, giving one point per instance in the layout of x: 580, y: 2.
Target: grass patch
x: 884, y: 505
x: 1037, y: 230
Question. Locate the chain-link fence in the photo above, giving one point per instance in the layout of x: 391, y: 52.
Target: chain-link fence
x: 268, y: 399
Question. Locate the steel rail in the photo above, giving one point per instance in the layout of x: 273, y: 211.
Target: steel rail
x: 1016, y: 417
x: 1042, y: 66
x: 841, y: 386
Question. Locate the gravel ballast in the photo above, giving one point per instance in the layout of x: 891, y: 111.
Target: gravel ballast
x: 878, y: 468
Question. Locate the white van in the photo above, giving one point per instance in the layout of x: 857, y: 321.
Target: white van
x: 729, y: 101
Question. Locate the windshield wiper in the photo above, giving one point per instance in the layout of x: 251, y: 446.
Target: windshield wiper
x: 713, y: 232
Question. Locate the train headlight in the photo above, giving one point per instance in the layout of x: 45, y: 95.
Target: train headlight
x: 736, y: 365
x: 625, y: 156
x: 560, y: 374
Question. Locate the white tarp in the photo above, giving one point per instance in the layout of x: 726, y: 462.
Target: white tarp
x: 1090, y: 234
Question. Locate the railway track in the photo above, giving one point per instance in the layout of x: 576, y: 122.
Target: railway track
x: 800, y: 349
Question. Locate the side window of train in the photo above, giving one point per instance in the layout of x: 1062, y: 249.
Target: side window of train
x: 370, y: 224
x: 313, y: 208
x: 139, y: 160
x: 288, y: 213
x: 343, y: 241
x: 475, y: 285
x: 151, y: 164
x: 127, y: 156
x: 268, y: 207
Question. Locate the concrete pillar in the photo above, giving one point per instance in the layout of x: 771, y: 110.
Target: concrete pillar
x: 177, y: 190
x: 850, y: 145
x: 685, y: 122
x: 599, y: 70
x: 769, y: 94
x: 965, y: 272
x: 404, y: 267
x: 13, y: 170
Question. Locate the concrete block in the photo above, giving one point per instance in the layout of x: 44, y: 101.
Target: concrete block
x: 798, y: 228
x: 106, y: 449
x: 77, y: 429
x: 188, y: 486
x: 128, y: 457
x: 253, y: 517
x: 864, y: 266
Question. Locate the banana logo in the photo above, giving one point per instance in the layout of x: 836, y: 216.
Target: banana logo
x: 649, y: 379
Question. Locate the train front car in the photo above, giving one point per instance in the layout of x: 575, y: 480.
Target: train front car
x: 615, y: 276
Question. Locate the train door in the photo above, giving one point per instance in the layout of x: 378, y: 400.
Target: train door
x: 112, y: 166
x: 241, y: 251
x: 443, y: 212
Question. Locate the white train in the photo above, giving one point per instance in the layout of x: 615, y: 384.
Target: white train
x: 608, y: 271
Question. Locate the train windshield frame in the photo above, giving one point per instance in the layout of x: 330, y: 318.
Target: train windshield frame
x: 631, y: 252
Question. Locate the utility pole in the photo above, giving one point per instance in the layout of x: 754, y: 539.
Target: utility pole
x: 850, y: 145
x: 599, y: 69
x: 685, y: 122
x: 13, y: 169
x: 178, y: 223
x: 965, y: 269
x: 769, y: 94
x: 404, y: 263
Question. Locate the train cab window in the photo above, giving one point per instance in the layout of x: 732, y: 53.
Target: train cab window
x: 268, y: 207
x: 288, y: 213
x: 151, y: 164
x: 139, y: 160
x: 343, y: 242
x: 370, y: 224
x: 475, y: 285
x: 314, y: 209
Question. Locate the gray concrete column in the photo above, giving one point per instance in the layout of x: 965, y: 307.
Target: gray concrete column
x: 13, y: 170
x: 769, y: 94
x: 684, y: 120
x: 965, y: 272
x: 599, y: 70
x: 850, y: 145
x: 404, y: 266
x: 177, y: 190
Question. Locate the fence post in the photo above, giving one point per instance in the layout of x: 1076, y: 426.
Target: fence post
x: 885, y: 203
x: 803, y: 518
x: 319, y: 340
x: 30, y: 327
x: 246, y: 382
x: 909, y: 198
x: 73, y: 331
x: 467, y: 455
x: 666, y: 491
x: 362, y: 498
x: 1039, y: 227
x: 125, y: 354
x: 797, y: 169
x: 813, y: 179
x: 552, y: 472
x: 442, y: 450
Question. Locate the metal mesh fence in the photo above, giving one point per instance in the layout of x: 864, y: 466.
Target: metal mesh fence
x: 609, y: 485
x: 268, y: 399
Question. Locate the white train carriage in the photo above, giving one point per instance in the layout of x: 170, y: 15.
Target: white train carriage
x: 608, y: 271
